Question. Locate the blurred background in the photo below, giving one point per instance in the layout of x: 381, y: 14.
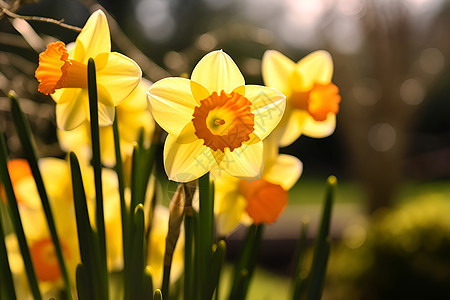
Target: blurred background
x: 391, y: 148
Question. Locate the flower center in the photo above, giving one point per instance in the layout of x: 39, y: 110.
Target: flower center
x: 18, y: 168
x: 57, y: 71
x: 319, y: 101
x: 265, y: 200
x: 44, y: 259
x: 224, y: 121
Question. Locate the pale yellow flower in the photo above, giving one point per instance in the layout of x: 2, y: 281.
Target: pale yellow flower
x: 258, y: 201
x: 63, y: 74
x: 214, y: 119
x: 312, y: 100
x: 132, y: 115
x: 56, y: 176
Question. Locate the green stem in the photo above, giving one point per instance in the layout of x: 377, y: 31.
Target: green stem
x: 206, y: 228
x: 96, y: 161
x: 23, y: 130
x: 298, y: 280
x: 188, y: 262
x: 123, y: 207
x: 6, y: 280
x: 87, y: 242
x: 247, y: 262
x: 16, y: 220
x: 322, y: 247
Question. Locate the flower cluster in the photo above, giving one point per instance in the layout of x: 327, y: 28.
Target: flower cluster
x: 215, y: 124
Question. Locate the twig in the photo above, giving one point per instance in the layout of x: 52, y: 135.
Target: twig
x: 40, y: 19
x: 153, y: 71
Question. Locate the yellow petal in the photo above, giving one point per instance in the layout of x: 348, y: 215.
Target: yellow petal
x: 316, y: 67
x: 72, y: 113
x: 187, y: 135
x: 216, y: 71
x: 230, y: 211
x: 199, y: 91
x: 277, y: 70
x: 108, y: 153
x: 93, y: 39
x: 106, y: 110
x: 70, y: 140
x: 130, y: 123
x: 245, y: 162
x: 315, y: 129
x: 186, y: 162
x: 291, y: 127
x: 171, y: 103
x: 137, y: 100
x: 268, y: 106
x: 271, y: 149
x: 119, y: 74
x: 285, y: 171
x: 55, y: 173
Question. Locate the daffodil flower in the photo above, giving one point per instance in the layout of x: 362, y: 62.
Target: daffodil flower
x: 312, y: 99
x: 56, y: 176
x: 258, y: 201
x: 132, y: 115
x: 214, y: 119
x: 63, y: 74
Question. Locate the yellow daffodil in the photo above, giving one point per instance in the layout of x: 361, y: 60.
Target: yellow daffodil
x: 56, y: 176
x: 57, y: 180
x: 63, y: 74
x: 255, y: 201
x: 312, y: 99
x: 214, y: 119
x: 132, y: 115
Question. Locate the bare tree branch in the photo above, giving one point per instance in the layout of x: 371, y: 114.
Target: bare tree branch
x: 149, y: 67
x: 9, y: 13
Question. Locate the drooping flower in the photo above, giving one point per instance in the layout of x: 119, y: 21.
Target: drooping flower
x: 255, y: 201
x: 312, y: 100
x: 132, y: 115
x: 63, y: 74
x: 214, y: 119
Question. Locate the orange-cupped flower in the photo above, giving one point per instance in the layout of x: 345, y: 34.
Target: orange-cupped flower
x: 62, y: 73
x: 321, y: 100
x: 214, y: 120
x: 56, y: 70
x: 18, y: 168
x: 44, y: 259
x: 224, y: 121
x: 265, y: 200
x: 312, y: 99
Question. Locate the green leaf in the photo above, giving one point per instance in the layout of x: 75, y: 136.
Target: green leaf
x: 299, y: 282
x: 147, y: 284
x: 189, y: 228
x: 23, y: 130
x: 215, y: 269
x: 82, y: 282
x: 97, y: 164
x: 206, y: 229
x: 158, y: 295
x: 247, y: 262
x: 6, y: 280
x: 86, y: 239
x: 322, y: 246
x: 16, y: 220
x: 137, y: 255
